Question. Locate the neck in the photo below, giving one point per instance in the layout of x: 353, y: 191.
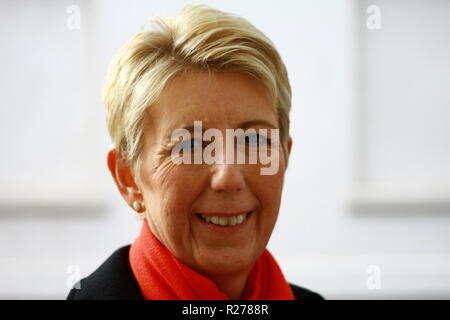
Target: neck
x: 232, y: 285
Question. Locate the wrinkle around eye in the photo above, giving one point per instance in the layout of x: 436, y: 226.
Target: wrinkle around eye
x: 164, y: 165
x: 161, y: 158
x: 163, y: 151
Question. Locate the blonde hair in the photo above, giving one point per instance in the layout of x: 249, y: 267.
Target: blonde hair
x: 201, y: 38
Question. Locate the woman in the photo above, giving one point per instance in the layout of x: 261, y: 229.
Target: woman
x: 206, y: 222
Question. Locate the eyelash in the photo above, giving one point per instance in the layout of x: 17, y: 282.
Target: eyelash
x: 259, y: 137
x: 246, y: 138
x: 189, y: 142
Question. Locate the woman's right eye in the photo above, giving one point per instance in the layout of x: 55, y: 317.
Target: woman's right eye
x: 190, y: 144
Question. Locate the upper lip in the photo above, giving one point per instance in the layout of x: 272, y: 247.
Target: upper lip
x: 227, y: 214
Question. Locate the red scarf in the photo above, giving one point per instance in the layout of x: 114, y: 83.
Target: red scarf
x: 161, y: 276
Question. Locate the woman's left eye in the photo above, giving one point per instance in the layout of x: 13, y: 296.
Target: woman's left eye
x: 256, y: 140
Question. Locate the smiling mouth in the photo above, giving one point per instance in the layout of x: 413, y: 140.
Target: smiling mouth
x: 224, y: 221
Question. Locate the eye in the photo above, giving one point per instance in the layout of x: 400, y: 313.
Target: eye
x: 254, y: 139
x: 190, y: 144
x: 251, y: 139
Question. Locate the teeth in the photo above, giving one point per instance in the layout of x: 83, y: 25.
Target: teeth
x: 225, y: 221
x: 214, y: 220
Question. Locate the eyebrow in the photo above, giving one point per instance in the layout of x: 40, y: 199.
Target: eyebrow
x: 253, y: 123
x: 243, y: 125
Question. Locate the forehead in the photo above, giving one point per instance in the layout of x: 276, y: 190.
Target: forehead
x: 219, y: 100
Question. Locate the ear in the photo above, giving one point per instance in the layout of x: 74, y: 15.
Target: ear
x: 124, y: 178
x: 289, y: 145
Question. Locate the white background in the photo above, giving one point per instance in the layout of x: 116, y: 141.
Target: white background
x: 368, y: 179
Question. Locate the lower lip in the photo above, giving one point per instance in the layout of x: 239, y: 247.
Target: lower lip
x: 226, y: 229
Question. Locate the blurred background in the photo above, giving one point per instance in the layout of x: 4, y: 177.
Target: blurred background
x: 366, y: 205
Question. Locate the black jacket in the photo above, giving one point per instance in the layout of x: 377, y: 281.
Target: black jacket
x: 114, y: 280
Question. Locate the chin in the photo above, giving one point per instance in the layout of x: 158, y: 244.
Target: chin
x: 227, y: 263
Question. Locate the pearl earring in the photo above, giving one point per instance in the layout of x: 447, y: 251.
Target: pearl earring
x: 137, y: 206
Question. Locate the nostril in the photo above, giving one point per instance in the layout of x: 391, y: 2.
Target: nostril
x: 228, y: 178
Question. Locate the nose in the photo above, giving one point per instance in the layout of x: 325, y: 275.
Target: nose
x: 227, y: 178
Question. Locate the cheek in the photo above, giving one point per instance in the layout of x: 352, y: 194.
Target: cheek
x: 271, y: 182
x: 171, y: 192
x: 174, y: 188
x: 268, y: 189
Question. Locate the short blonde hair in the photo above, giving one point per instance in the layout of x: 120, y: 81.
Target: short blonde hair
x: 201, y: 38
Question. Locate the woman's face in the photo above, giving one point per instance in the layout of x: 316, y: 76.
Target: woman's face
x: 176, y: 195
